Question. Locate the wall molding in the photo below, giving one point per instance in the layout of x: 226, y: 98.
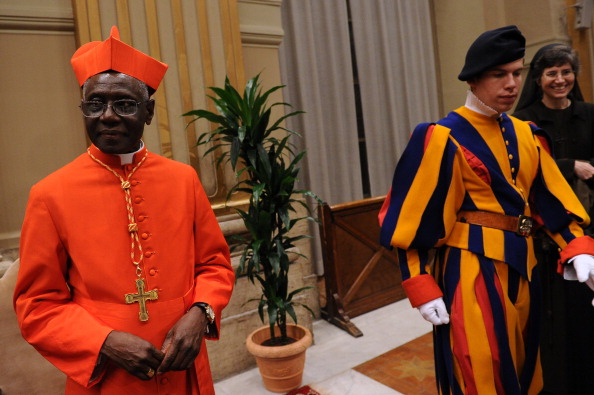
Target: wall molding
x: 276, y: 3
x: 261, y: 35
x: 36, y: 16
x: 9, y: 240
x: 35, y: 24
x: 260, y: 25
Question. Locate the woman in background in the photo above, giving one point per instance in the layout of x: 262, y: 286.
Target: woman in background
x: 551, y: 98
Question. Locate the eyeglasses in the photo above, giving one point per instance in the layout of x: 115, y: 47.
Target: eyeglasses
x: 123, y: 108
x: 554, y: 74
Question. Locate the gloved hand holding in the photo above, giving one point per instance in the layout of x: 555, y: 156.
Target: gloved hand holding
x: 582, y: 269
x: 435, y: 312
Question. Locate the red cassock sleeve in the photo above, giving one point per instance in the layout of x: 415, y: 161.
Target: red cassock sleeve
x: 62, y: 331
x: 214, y: 277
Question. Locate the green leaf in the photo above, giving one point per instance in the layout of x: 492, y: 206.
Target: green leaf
x: 259, y: 101
x: 260, y: 132
x: 295, y: 292
x: 274, y: 263
x: 292, y: 240
x: 307, y: 308
x: 272, y: 311
x: 281, y: 119
x: 264, y: 160
x: 241, y: 133
x: 210, y: 116
x: 261, y: 306
x: 252, y: 158
x: 257, y: 191
x: 235, y: 147
x: 291, y: 312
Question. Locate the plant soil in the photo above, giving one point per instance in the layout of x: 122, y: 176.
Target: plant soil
x: 278, y: 341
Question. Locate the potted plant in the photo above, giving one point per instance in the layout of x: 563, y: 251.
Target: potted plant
x: 266, y: 167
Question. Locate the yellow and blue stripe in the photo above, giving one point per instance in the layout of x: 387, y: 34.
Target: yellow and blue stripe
x: 468, y: 162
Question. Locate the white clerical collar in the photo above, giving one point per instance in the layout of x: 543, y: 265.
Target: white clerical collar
x: 476, y: 105
x: 129, y: 157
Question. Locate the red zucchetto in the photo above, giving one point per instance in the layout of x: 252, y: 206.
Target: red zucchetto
x: 112, y: 54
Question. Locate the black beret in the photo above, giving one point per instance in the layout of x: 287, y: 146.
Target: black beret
x: 493, y: 48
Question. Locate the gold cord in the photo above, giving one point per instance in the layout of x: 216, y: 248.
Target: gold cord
x: 132, y: 225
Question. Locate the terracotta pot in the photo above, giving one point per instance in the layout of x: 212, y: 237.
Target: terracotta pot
x: 281, y: 367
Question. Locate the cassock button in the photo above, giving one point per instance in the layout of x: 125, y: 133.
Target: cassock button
x: 129, y: 167
x: 153, y: 272
x: 503, y: 129
x: 137, y: 199
x: 134, y: 183
x: 148, y: 254
x: 510, y: 156
x: 513, y: 169
x: 141, y: 218
x: 506, y: 142
x: 164, y: 380
x: 144, y: 236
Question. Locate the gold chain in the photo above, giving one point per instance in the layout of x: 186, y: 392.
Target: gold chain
x: 132, y: 225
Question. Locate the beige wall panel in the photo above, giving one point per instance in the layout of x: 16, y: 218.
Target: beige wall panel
x: 108, y: 14
x: 582, y: 41
x: 494, y: 13
x: 217, y: 44
x: 232, y: 43
x: 227, y: 45
x: 179, y: 144
x: 260, y: 45
x: 253, y: 31
x: 264, y: 60
x: 170, y: 48
x: 260, y: 60
x: 51, y: 11
x: 453, y: 38
x: 541, y: 22
x: 206, y: 68
x: 547, y: 22
x: 261, y: 40
x: 41, y: 127
x: 199, y: 71
x: 140, y: 39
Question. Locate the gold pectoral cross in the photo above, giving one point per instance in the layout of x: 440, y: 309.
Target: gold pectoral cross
x: 141, y: 297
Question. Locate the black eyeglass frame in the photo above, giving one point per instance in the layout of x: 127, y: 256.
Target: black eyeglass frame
x: 107, y: 105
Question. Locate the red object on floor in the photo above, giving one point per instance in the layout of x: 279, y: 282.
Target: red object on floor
x: 306, y: 390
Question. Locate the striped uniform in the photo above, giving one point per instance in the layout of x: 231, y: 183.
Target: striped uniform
x: 467, y: 162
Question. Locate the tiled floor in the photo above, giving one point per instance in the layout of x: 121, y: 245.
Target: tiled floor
x: 329, y: 362
x: 409, y: 368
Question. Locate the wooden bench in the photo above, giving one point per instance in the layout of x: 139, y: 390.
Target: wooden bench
x: 360, y: 274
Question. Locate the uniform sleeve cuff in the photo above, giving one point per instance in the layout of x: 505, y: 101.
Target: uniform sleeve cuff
x: 421, y: 289
x: 577, y: 246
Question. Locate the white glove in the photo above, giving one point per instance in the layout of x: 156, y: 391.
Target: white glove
x: 435, y: 312
x: 582, y: 270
